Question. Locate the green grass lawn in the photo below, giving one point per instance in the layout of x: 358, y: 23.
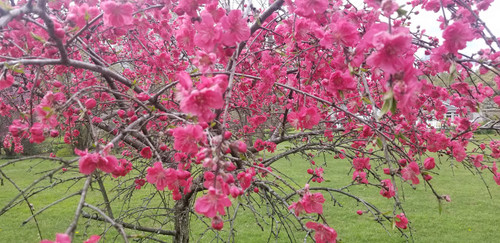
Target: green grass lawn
x: 470, y: 216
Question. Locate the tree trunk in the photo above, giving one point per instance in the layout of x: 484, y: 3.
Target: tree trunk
x: 181, y: 220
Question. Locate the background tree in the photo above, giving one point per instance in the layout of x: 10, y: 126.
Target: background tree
x: 193, y: 97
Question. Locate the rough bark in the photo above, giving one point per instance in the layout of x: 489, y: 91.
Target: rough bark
x: 182, y: 222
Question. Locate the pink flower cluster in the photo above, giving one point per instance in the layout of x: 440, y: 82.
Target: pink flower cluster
x: 323, y: 234
x: 171, y: 178
x: 360, y: 164
x: 306, y: 118
x: 260, y: 145
x: 387, y: 188
x: 107, y: 163
x: 206, y: 96
x: 64, y: 238
x: 310, y: 203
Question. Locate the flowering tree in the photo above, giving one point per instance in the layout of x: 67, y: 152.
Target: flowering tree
x: 190, y: 96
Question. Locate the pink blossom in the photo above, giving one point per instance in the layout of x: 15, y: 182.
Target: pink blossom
x: 391, y: 49
x: 242, y: 146
x: 117, y: 15
x: 93, y: 239
x: 297, y: 207
x: 318, y: 172
x: 212, y: 203
x: 360, y: 177
x: 387, y: 188
x: 324, y: 234
x: 157, y: 175
x: 308, y: 8
x: 313, y: 203
x: 207, y: 35
x: 121, y: 113
x: 185, y: 35
x: 401, y: 221
x: 235, y: 191
x: 306, y: 118
x: 235, y: 28
x: 64, y: 238
x: 255, y: 121
x: 37, y: 133
x: 436, y: 141
x: 142, y: 97
x: 271, y: 147
x: 341, y: 32
x: 432, y: 5
x: 146, y: 153
x: 82, y: 14
x: 60, y: 238
x: 214, y: 9
x: 246, y: 178
x: 387, y: 6
x: 217, y: 223
x: 484, y: 4
x: 189, y: 7
x: 477, y: 160
x: 458, y: 151
x: 456, y: 36
x: 205, y: 61
x: 259, y: 145
x: 6, y: 81
x: 361, y: 163
x: 387, y: 171
x: 494, y: 145
x: 496, y: 177
x: 429, y: 163
x: 186, y: 138
x: 17, y: 128
x: 89, y: 162
x: 339, y: 81
x: 90, y: 103
x: 496, y: 99
x: 411, y: 172
x: 139, y: 182
x: 122, y: 168
x: 208, y: 96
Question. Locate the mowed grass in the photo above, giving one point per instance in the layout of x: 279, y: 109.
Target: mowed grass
x: 471, y: 215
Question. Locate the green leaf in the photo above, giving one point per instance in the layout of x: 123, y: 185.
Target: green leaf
x: 389, y: 103
x: 17, y: 68
x: 87, y: 16
x: 38, y: 38
x: 366, y: 100
x: 386, y: 107
x: 401, y: 12
x: 379, y: 143
x: 400, y: 135
x: 394, y: 105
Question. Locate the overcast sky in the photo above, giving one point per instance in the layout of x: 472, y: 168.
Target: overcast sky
x: 428, y: 21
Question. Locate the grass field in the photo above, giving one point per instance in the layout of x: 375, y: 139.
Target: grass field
x: 470, y: 216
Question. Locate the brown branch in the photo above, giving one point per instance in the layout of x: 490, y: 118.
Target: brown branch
x: 71, y: 228
x: 132, y: 226
x: 118, y: 226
